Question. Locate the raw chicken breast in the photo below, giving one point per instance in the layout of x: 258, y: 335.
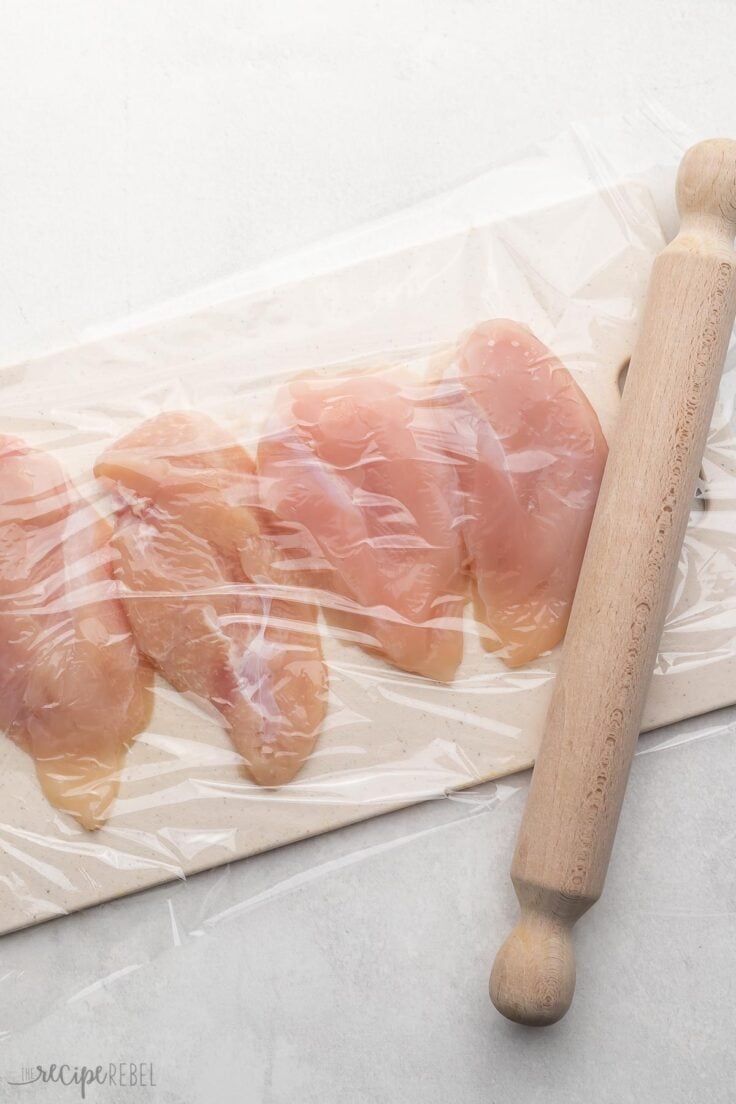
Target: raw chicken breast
x: 355, y: 469
x: 208, y: 603
x: 73, y: 691
x: 190, y: 468
x: 531, y: 455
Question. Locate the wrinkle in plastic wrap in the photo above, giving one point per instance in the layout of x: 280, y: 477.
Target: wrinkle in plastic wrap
x: 309, y: 552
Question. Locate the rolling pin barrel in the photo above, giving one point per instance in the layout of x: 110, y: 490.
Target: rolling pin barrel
x: 610, y: 649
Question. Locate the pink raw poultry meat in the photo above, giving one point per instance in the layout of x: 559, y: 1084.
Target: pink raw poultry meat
x: 531, y: 454
x: 354, y: 468
x: 208, y: 603
x: 73, y: 691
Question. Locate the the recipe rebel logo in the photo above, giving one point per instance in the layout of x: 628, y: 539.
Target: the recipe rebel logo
x: 122, y: 1075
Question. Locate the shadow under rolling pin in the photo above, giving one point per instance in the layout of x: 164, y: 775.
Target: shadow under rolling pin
x: 593, y: 723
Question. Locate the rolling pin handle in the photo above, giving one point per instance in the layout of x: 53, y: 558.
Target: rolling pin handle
x: 706, y: 187
x: 533, y: 977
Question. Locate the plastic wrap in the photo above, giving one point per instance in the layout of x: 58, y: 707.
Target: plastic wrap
x: 284, y: 562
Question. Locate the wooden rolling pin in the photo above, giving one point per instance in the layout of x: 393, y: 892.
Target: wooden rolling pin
x: 593, y: 722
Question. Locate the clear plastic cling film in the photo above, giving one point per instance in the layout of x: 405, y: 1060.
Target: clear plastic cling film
x: 301, y: 549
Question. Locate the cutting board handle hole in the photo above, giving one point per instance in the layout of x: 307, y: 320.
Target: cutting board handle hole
x: 622, y: 374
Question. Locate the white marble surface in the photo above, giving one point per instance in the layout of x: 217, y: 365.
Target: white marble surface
x: 146, y: 148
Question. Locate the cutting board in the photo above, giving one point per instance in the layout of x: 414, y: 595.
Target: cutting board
x: 575, y: 272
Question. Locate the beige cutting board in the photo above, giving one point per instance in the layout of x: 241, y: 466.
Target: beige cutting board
x: 575, y: 273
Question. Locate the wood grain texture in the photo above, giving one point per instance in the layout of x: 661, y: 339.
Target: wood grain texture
x: 594, y: 719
